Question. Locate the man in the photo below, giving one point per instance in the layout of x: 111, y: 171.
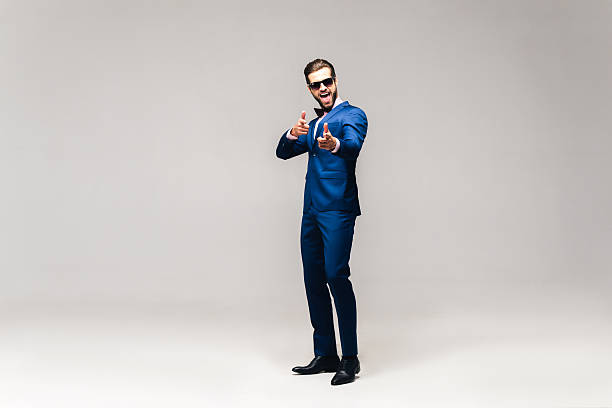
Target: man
x: 333, y: 141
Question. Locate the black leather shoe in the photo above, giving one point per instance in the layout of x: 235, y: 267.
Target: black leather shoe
x: 320, y: 364
x: 346, y: 371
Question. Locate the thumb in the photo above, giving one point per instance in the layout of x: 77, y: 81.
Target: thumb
x: 304, y: 115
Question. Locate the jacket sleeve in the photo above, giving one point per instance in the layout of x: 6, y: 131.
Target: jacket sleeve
x: 287, y: 149
x: 354, y: 128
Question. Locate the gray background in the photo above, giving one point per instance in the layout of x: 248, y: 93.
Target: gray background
x: 141, y: 200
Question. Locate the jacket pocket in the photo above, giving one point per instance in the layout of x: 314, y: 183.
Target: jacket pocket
x: 332, y: 174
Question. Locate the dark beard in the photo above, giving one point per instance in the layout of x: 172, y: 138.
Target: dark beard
x: 333, y: 101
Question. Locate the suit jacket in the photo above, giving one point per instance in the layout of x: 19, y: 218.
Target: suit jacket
x: 330, y: 179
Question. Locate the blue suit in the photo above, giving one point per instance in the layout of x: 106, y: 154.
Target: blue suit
x: 331, y: 205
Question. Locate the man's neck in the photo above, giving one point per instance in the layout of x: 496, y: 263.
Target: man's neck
x: 337, y: 102
x: 324, y: 112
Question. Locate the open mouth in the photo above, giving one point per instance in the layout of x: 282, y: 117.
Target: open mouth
x: 325, y: 97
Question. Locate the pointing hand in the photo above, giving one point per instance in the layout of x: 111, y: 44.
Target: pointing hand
x: 301, y: 127
x: 327, y: 142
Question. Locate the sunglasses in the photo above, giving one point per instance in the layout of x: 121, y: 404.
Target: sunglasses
x: 316, y: 85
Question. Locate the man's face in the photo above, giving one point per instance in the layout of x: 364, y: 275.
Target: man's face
x: 325, y: 95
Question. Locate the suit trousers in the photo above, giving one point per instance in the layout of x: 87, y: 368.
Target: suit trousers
x: 325, y: 240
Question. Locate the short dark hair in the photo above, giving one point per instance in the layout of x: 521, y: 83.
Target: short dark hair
x: 316, y: 65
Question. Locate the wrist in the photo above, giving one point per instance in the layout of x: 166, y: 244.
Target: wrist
x: 336, y: 146
x: 290, y: 136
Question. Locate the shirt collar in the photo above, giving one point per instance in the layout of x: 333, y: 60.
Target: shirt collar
x: 320, y: 112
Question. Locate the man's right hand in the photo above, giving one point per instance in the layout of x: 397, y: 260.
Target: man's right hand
x: 301, y: 127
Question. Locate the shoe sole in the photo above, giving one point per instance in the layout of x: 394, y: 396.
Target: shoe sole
x: 317, y: 372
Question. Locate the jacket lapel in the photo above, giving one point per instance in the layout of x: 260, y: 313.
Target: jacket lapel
x: 328, y: 117
x: 312, y: 139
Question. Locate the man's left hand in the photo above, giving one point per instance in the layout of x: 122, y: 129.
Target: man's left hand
x: 327, y: 142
